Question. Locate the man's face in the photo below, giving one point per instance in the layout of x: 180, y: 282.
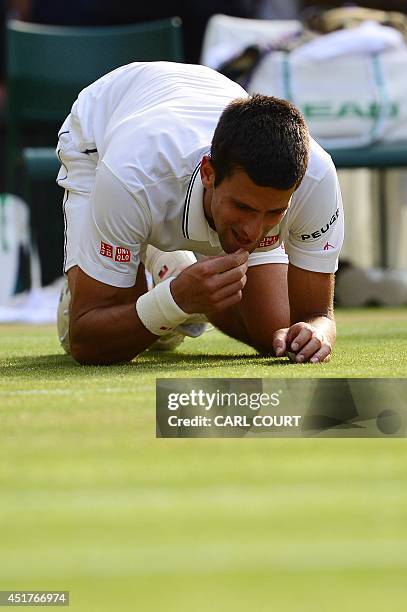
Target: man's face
x: 240, y: 211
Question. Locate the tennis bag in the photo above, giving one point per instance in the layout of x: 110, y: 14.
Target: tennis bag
x: 15, y: 273
x: 348, y: 101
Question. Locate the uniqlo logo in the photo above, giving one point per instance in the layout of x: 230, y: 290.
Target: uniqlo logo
x: 122, y: 254
x: 268, y: 241
x: 106, y: 250
x: 163, y: 271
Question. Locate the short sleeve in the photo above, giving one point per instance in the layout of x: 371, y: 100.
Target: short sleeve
x: 276, y: 255
x: 316, y: 228
x: 115, y: 227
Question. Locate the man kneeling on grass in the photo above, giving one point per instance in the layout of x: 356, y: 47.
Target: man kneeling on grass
x: 162, y: 161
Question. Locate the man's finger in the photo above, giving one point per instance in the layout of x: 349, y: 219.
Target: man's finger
x: 280, y: 342
x: 220, y: 264
x: 229, y: 301
x: 324, y: 354
x: 301, y: 339
x: 307, y: 351
x: 229, y: 289
x: 230, y: 276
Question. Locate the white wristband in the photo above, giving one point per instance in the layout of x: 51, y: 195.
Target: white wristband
x: 158, y: 311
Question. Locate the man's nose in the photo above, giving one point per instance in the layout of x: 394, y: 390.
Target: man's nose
x: 253, y: 228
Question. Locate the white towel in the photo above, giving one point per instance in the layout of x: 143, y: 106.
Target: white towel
x: 369, y: 37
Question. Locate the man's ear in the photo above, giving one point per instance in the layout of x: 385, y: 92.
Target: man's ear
x: 207, y: 173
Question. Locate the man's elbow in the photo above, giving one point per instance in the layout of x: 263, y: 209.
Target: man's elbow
x: 90, y: 353
x: 84, y: 354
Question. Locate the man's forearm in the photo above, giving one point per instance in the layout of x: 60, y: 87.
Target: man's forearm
x: 109, y: 335
x: 112, y: 333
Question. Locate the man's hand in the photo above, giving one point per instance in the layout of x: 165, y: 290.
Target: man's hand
x: 303, y: 342
x: 211, y: 285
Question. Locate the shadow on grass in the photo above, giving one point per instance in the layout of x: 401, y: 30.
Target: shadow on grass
x: 160, y: 364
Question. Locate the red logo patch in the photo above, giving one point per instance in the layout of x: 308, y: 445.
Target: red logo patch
x: 106, y: 250
x: 163, y: 271
x: 269, y: 241
x: 328, y: 246
x: 122, y: 254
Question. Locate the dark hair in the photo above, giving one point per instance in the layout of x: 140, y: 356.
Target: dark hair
x: 265, y: 137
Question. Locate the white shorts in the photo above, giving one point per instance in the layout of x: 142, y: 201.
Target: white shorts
x: 77, y: 177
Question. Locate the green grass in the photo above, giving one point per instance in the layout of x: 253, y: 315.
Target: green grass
x: 90, y: 501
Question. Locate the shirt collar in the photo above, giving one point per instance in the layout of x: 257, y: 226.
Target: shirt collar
x: 194, y: 223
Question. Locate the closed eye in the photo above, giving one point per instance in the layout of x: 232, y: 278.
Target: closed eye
x: 280, y: 211
x: 241, y: 206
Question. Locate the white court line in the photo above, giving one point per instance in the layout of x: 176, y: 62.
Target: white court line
x: 71, y: 391
x: 213, y: 557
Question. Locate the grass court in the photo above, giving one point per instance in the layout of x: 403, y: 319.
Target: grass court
x: 92, y: 502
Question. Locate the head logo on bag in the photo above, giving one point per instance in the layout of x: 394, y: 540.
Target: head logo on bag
x: 345, y: 110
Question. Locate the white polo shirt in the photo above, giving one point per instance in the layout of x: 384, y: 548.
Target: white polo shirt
x: 149, y: 124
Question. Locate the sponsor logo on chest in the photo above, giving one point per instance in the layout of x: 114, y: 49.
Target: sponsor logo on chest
x: 269, y: 241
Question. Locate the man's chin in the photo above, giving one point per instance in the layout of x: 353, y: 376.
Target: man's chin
x: 228, y: 249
